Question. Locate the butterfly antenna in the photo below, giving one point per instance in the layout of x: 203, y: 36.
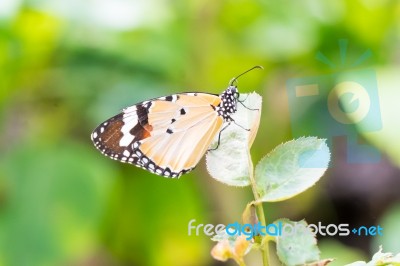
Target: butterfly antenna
x: 235, y: 78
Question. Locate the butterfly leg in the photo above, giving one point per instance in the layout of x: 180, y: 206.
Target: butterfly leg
x: 220, y: 132
x: 251, y: 109
x: 247, y: 129
x: 219, y: 136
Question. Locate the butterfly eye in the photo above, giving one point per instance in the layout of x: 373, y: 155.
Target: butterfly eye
x: 232, y: 90
x: 235, y: 92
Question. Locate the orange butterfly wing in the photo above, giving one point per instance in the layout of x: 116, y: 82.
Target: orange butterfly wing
x: 167, y: 136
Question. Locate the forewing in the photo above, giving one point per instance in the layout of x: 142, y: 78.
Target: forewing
x: 167, y: 136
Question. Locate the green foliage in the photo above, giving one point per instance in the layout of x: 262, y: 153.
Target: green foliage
x: 66, y: 65
x: 291, y: 168
x: 288, y: 170
x: 298, y: 245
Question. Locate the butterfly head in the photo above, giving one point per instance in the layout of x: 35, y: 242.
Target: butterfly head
x: 234, y: 91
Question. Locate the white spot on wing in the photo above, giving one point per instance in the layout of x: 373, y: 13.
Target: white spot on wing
x: 130, y: 109
x: 129, y: 123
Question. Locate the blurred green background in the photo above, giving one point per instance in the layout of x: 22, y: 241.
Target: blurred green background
x: 66, y: 66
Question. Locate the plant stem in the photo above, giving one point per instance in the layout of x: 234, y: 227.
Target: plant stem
x: 259, y: 209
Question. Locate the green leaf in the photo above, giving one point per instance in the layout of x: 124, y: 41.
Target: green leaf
x: 297, y: 244
x: 229, y: 163
x: 291, y: 168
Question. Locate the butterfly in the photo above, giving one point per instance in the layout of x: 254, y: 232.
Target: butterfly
x: 168, y: 135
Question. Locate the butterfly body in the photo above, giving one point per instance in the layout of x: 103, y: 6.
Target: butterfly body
x: 168, y: 135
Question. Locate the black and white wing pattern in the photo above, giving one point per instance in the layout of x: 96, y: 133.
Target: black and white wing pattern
x: 168, y: 135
